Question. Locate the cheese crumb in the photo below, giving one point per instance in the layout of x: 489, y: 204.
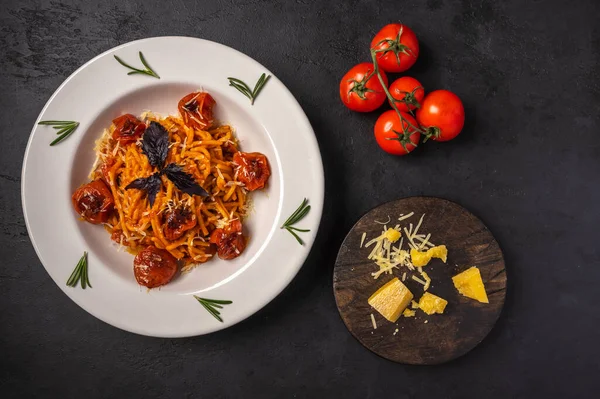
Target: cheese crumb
x: 362, y: 240
x: 418, y: 280
x: 404, y: 217
x: 374, y: 322
x: 427, y: 280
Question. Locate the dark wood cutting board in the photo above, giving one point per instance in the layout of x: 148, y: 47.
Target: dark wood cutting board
x: 422, y: 339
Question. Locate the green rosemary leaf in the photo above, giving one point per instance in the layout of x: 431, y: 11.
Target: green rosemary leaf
x: 243, y: 87
x: 120, y: 61
x: 219, y: 301
x: 64, y: 129
x: 212, y: 312
x: 148, y: 71
x: 61, y: 130
x: 80, y: 273
x: 72, y: 281
x: 240, y: 83
x: 294, y: 218
x: 300, y: 230
x: 295, y: 236
x: 87, y: 273
x: 300, y: 215
x: 259, y: 86
x: 84, y: 273
x: 145, y: 63
x: 293, y: 215
x: 211, y: 306
x: 55, y: 123
x: 63, y: 136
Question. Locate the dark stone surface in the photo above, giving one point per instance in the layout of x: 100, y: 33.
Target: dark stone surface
x: 526, y: 163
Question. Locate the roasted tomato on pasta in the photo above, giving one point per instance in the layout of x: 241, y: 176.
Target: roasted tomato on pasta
x: 172, y: 190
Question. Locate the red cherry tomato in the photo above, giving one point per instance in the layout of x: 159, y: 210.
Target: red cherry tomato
x: 397, y: 48
x: 230, y: 241
x: 93, y: 201
x: 178, y: 221
x: 128, y: 129
x: 392, y: 137
x: 253, y: 169
x: 154, y: 267
x: 196, y: 109
x: 407, y: 92
x: 361, y: 90
x: 442, y: 114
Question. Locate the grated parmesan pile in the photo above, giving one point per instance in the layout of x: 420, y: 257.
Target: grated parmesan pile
x: 389, y: 253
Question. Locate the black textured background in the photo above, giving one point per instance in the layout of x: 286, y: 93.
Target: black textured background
x: 526, y: 163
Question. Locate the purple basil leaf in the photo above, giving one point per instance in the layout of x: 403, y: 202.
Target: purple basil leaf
x: 155, y: 144
x: 183, y: 181
x: 150, y: 185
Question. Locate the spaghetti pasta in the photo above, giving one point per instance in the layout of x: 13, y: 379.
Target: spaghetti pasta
x: 206, y: 155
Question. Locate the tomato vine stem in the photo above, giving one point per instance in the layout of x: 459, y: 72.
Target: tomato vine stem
x: 391, y: 99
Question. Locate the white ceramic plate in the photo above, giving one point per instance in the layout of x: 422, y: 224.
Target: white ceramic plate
x: 101, y: 90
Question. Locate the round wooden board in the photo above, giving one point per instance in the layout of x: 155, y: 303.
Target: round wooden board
x: 422, y: 339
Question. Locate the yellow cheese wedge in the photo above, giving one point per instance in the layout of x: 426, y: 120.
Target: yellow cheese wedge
x: 420, y: 259
x: 431, y: 304
x: 470, y: 284
x: 408, y: 313
x: 391, y: 299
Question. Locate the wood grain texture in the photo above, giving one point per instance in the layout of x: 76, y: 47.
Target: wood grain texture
x: 422, y: 339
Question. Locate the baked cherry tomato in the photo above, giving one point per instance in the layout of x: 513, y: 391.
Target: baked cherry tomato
x: 93, y: 201
x: 128, y: 129
x: 154, y: 267
x: 230, y: 241
x: 360, y: 88
x: 407, y: 92
x: 397, y: 48
x: 177, y: 222
x: 196, y: 109
x: 253, y: 169
x: 442, y: 114
x: 390, y: 135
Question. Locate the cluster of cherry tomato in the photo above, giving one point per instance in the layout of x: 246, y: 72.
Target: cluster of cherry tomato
x: 438, y: 116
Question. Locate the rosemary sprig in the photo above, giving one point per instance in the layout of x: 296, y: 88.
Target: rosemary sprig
x: 148, y: 71
x: 245, y: 89
x: 211, y: 306
x: 298, y: 215
x: 65, y: 128
x: 80, y: 274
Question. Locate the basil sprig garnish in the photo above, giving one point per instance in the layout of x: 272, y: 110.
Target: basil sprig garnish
x: 155, y: 145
